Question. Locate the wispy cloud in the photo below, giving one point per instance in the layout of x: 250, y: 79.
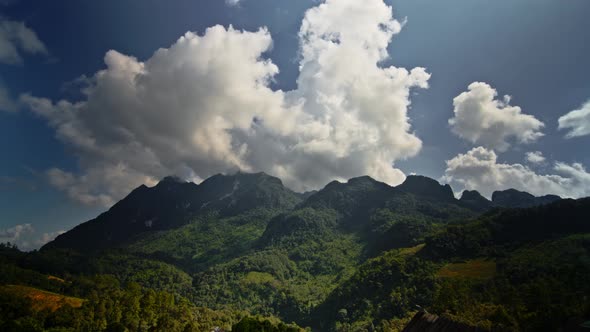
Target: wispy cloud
x: 232, y: 2
x: 535, y: 157
x: 25, y: 236
x: 576, y: 121
x: 15, y: 39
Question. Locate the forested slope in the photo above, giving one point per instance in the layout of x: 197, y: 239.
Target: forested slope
x: 354, y: 256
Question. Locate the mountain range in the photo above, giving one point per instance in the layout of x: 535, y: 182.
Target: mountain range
x: 353, y: 256
x: 173, y: 203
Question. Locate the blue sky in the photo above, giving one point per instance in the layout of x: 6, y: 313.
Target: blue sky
x: 535, y: 51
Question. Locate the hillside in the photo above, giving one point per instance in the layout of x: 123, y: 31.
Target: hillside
x: 173, y: 203
x: 353, y: 256
x: 42, y: 300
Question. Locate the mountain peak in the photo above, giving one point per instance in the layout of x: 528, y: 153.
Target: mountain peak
x: 171, y: 179
x: 470, y: 195
x: 242, y: 176
x: 243, y: 191
x: 173, y: 202
x: 500, y: 194
x: 425, y: 186
x: 362, y: 179
x: 473, y: 199
x: 513, y: 198
x: 259, y: 177
x: 353, y: 193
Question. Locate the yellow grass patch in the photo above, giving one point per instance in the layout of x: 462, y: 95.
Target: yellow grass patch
x: 412, y: 250
x: 475, y: 269
x: 41, y: 299
x: 56, y: 279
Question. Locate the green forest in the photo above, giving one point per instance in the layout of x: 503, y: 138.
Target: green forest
x: 244, y: 253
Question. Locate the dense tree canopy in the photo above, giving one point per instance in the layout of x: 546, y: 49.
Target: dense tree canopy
x: 356, y: 256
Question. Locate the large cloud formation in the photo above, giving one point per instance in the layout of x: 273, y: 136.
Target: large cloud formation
x: 482, y: 119
x: 577, y: 121
x: 204, y: 106
x: 16, y: 38
x: 479, y: 169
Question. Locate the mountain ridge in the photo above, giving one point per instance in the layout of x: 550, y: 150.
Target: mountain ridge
x: 173, y: 202
x: 352, y: 255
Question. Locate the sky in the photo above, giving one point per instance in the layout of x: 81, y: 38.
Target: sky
x: 98, y: 97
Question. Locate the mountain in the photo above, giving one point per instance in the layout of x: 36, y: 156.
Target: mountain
x: 235, y: 194
x: 427, y: 187
x: 474, y: 200
x: 173, y: 203
x: 513, y: 198
x: 510, y: 198
x: 474, y: 272
x: 353, y: 256
x: 390, y: 216
x: 527, y: 225
x: 350, y: 198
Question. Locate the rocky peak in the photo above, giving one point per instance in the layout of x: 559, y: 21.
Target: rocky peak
x: 513, y: 198
x: 427, y: 187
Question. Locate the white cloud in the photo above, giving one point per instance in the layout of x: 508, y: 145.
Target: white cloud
x: 232, y: 2
x: 98, y: 186
x: 204, y: 106
x: 47, y: 237
x: 19, y: 235
x: 478, y: 169
x: 535, y: 157
x: 16, y: 38
x: 24, y: 236
x: 6, y: 102
x: 15, y: 232
x: 481, y: 118
x: 577, y: 121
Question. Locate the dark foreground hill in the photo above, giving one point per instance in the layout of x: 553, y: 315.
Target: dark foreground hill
x: 354, y: 256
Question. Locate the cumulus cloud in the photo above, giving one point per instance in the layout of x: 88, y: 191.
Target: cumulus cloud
x: 16, y: 38
x: 535, y: 157
x: 204, y: 106
x: 98, y: 186
x: 479, y: 169
x: 577, y: 121
x: 479, y: 117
